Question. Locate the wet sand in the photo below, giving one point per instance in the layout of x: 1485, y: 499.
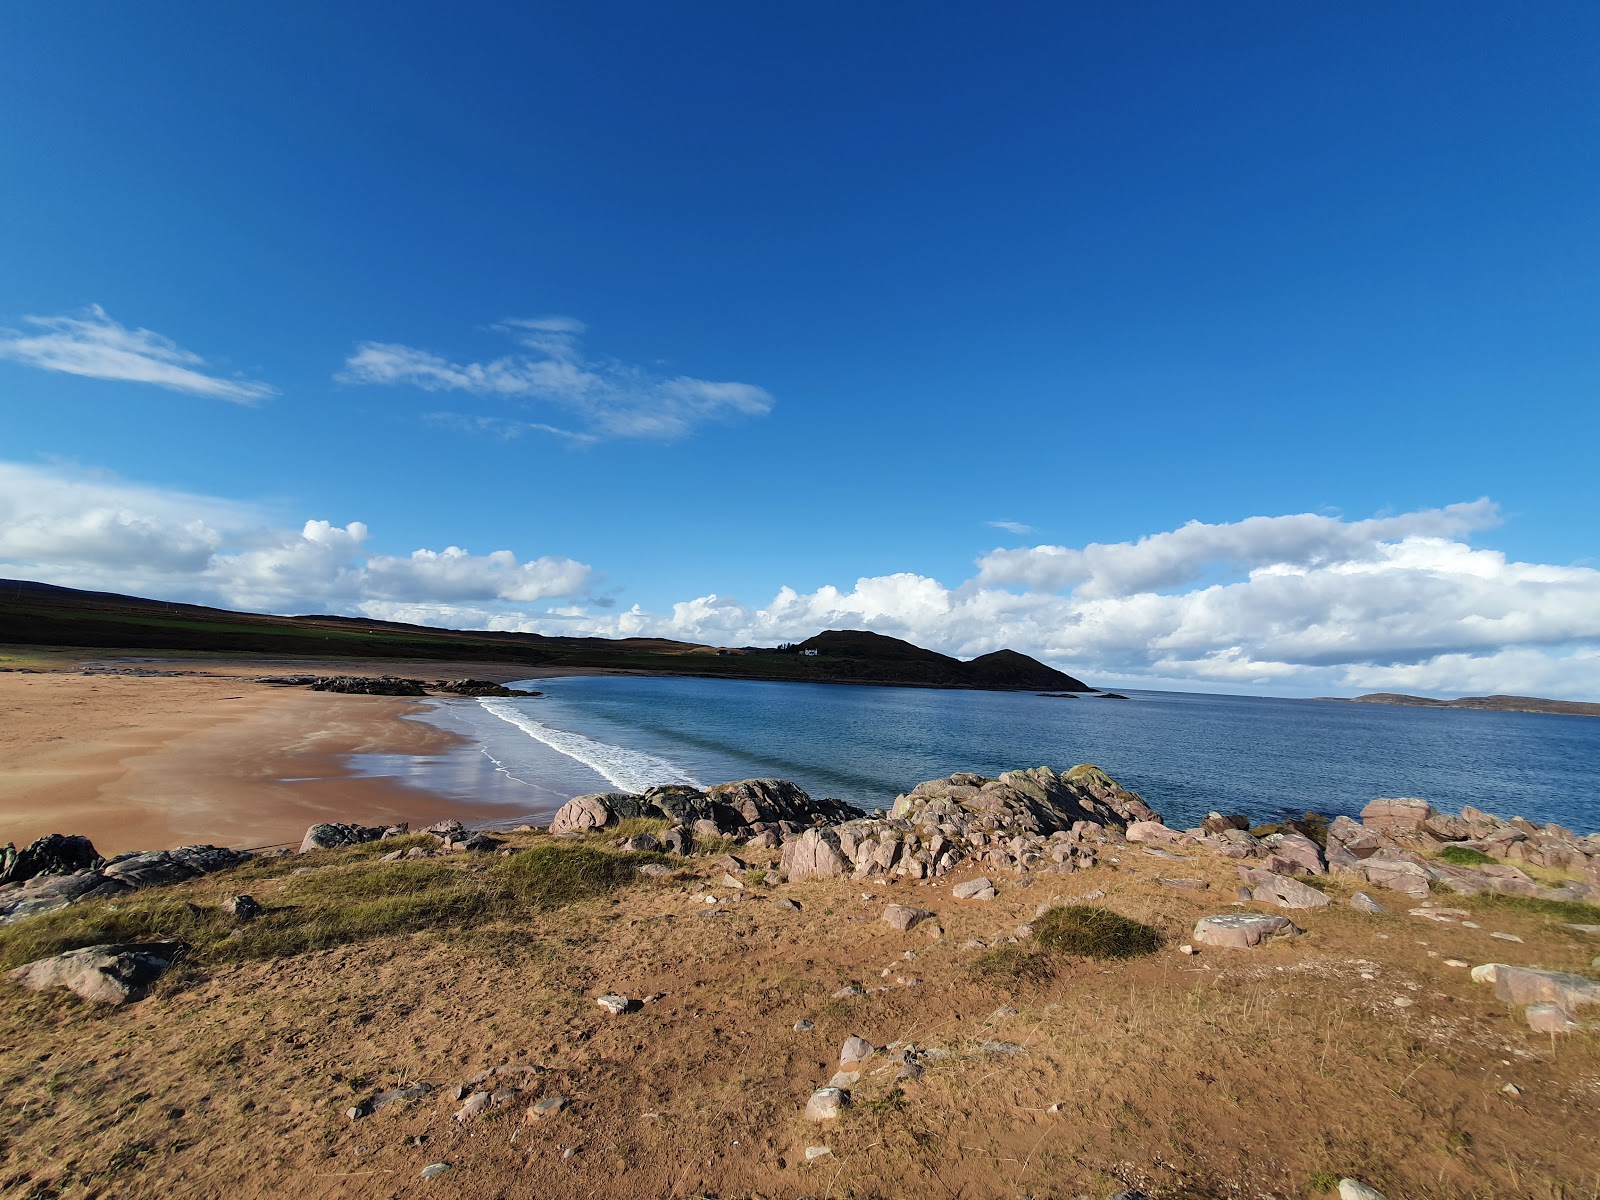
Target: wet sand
x: 143, y: 763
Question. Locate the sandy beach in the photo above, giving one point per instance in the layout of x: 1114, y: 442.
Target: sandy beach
x: 140, y: 763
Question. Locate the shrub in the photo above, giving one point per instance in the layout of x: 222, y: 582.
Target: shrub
x: 1464, y: 856
x: 1094, y: 932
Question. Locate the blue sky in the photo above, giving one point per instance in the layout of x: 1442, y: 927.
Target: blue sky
x: 732, y: 323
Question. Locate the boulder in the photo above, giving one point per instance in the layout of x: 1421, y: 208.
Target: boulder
x: 596, y: 811
x: 980, y: 888
x: 1267, y: 888
x: 1155, y: 833
x: 1397, y: 816
x: 815, y: 854
x: 242, y: 908
x: 46, y: 893
x: 115, y: 974
x: 1240, y: 931
x: 826, y: 1103
x: 1299, y: 850
x: 1398, y: 875
x: 903, y: 917
x: 1362, y: 902
x: 1528, y: 985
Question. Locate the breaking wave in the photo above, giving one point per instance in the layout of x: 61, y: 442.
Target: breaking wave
x: 625, y: 769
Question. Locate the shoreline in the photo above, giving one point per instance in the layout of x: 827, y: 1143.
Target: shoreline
x: 209, y: 757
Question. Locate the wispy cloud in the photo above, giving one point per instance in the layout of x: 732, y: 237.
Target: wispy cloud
x: 1016, y: 527
x: 92, y: 344
x: 607, y: 398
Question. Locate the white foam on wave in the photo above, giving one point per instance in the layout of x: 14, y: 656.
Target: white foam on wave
x: 625, y: 769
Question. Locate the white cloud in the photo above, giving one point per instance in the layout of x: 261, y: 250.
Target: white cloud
x: 66, y: 526
x: 92, y: 344
x: 1183, y: 555
x: 1016, y: 527
x: 1307, y: 605
x: 608, y: 399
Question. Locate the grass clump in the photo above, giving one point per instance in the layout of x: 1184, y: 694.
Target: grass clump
x: 1012, y: 967
x: 635, y: 826
x: 552, y: 875
x: 1464, y: 856
x: 1094, y: 932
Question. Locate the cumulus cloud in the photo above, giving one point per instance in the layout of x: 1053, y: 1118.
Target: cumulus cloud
x: 608, y: 399
x: 1181, y: 556
x: 62, y: 525
x: 92, y: 344
x: 1306, y: 605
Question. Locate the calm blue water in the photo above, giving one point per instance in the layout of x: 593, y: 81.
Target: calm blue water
x: 1185, y: 753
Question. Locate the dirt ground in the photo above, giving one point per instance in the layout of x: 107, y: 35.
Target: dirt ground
x: 1270, y: 1072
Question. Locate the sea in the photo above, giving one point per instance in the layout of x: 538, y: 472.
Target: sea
x: 1186, y: 753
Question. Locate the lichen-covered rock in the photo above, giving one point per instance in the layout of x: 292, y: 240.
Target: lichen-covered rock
x: 745, y: 808
x: 116, y: 974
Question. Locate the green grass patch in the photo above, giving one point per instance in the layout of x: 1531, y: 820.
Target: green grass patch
x: 1094, y: 932
x: 1463, y: 856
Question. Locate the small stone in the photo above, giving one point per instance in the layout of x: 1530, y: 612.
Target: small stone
x: 1486, y: 973
x: 615, y: 1005
x: 1511, y: 1089
x: 1402, y: 1002
x: 789, y: 905
x: 474, y: 1105
x: 1362, y: 902
x: 1354, y: 1189
x: 434, y: 1170
x: 826, y: 1103
x: 804, y: 1026
x: 845, y: 1079
x: 548, y: 1107
x: 849, y: 990
x: 815, y: 1152
x: 1506, y: 937
x: 1006, y: 1048
x: 569, y: 1154
x: 856, y: 1049
x: 1187, y: 949
x: 242, y: 908
x: 1454, y: 962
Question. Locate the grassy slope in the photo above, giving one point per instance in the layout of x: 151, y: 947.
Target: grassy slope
x: 1170, y: 1073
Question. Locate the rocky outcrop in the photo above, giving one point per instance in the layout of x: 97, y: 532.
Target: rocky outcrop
x: 49, y: 890
x: 55, y: 854
x: 365, y: 685
x: 102, y: 974
x: 745, y: 809
x: 330, y: 835
x: 1240, y: 931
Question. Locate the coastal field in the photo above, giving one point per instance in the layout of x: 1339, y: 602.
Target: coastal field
x: 1361, y: 1049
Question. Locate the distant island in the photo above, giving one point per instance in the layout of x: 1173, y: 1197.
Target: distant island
x: 1534, y: 704
x: 40, y: 614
